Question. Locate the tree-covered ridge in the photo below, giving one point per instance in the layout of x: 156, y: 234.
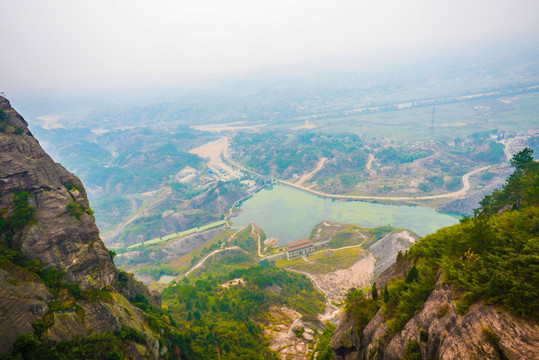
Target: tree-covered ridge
x: 493, y: 255
x: 223, y: 321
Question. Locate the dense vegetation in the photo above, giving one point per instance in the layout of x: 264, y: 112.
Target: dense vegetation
x: 356, y: 165
x: 323, y: 350
x: 224, y: 321
x: 392, y: 155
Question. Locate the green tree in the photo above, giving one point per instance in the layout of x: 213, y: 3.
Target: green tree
x: 386, y: 294
x: 412, y: 275
x: 521, y: 159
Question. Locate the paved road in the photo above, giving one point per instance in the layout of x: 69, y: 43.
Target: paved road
x: 462, y: 191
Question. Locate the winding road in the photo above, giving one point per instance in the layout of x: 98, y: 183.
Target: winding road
x: 201, y: 262
x: 462, y: 191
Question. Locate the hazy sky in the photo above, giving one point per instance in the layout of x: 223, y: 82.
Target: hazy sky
x: 70, y: 44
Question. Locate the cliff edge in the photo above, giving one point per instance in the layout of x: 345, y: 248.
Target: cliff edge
x: 62, y: 233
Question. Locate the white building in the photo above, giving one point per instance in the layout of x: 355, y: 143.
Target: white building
x: 299, y: 248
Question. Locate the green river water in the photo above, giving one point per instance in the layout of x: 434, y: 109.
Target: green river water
x: 290, y: 214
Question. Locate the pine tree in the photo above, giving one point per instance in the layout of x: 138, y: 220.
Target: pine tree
x: 374, y: 292
x: 412, y: 275
x: 386, y: 294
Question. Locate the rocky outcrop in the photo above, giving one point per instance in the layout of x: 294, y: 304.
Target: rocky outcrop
x: 63, y: 234
x: 386, y: 249
x: 289, y: 336
x: 346, y: 340
x: 443, y: 334
x: 109, y: 314
x: 484, y: 332
x: 131, y: 288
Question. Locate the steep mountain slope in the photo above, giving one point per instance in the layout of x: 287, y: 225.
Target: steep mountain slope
x: 62, y: 232
x: 467, y: 291
x: 57, y: 280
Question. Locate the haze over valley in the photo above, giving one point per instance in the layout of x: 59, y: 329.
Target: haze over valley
x: 271, y: 181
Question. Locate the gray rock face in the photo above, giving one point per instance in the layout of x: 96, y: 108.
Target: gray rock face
x: 385, y: 250
x: 451, y: 336
x: 445, y: 335
x: 56, y: 237
x: 23, y: 300
x: 346, y: 340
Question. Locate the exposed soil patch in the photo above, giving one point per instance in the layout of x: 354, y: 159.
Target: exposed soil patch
x: 309, y: 175
x: 337, y: 283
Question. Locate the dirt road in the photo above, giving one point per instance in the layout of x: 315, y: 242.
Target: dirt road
x: 309, y: 175
x: 201, y: 262
x: 258, y: 239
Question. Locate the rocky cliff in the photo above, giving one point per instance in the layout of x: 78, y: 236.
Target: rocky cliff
x: 484, y: 332
x: 467, y: 291
x: 57, y: 279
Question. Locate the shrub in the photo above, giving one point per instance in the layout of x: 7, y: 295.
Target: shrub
x: 423, y: 335
x: 127, y: 333
x: 75, y: 210
x: 442, y: 310
x: 412, y: 351
x: 52, y: 277
x: 75, y: 290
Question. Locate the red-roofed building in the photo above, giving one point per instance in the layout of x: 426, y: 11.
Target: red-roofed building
x: 299, y: 248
